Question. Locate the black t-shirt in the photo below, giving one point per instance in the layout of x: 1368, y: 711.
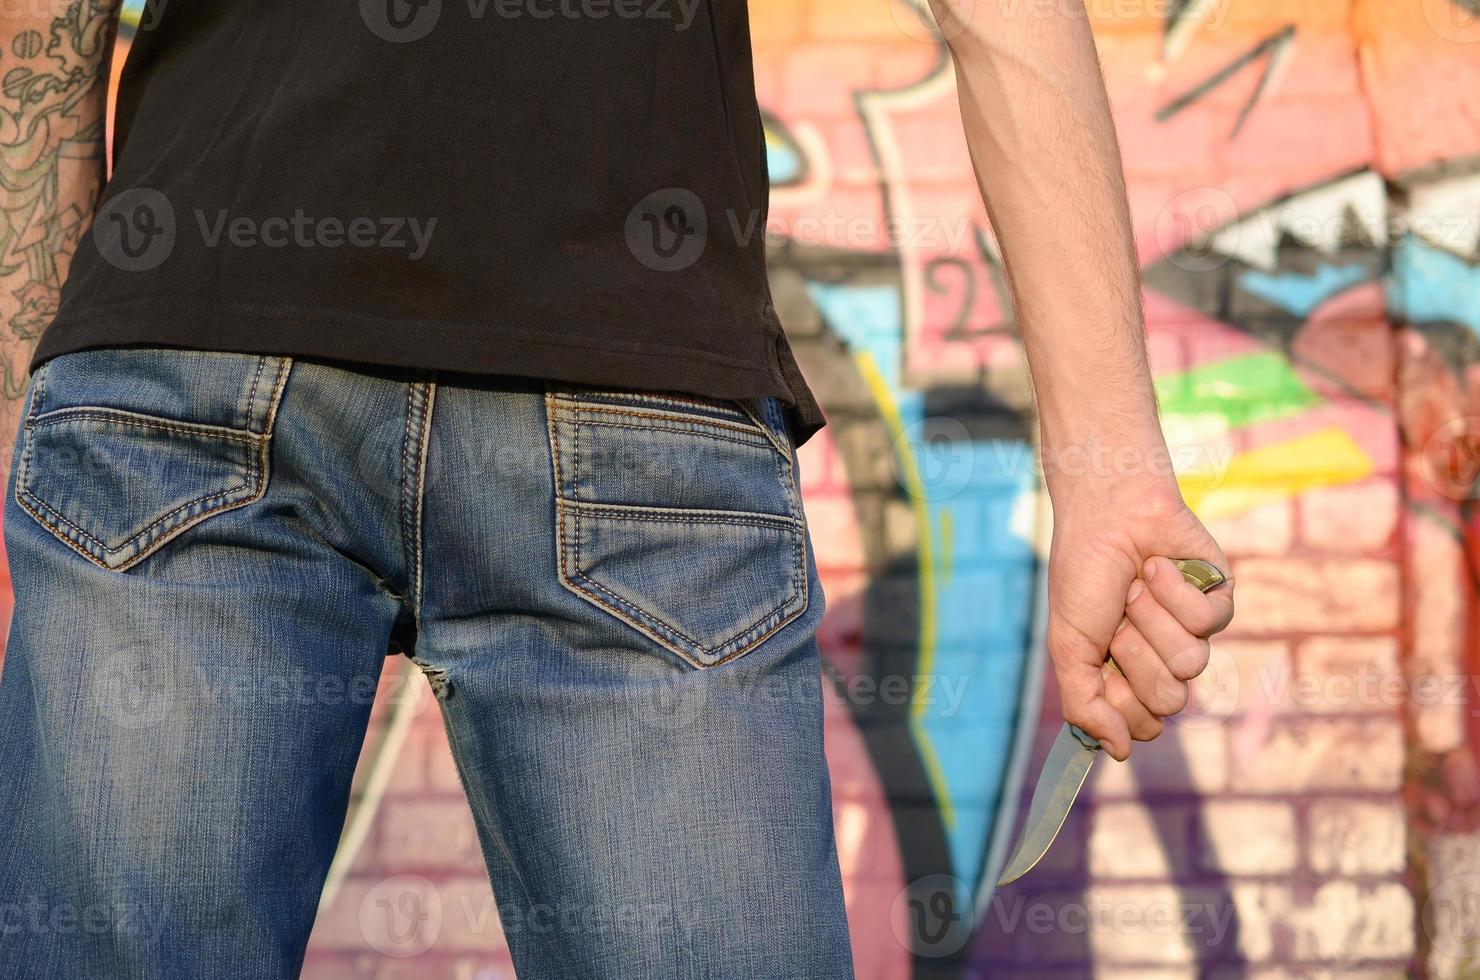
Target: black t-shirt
x: 568, y: 189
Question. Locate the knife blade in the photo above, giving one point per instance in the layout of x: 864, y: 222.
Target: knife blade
x: 1070, y: 759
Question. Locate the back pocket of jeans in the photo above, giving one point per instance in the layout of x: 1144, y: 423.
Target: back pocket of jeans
x: 678, y: 516
x: 114, y: 479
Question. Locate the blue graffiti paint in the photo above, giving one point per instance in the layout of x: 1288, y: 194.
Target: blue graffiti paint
x: 984, y: 570
x: 866, y: 318
x: 784, y: 158
x: 1298, y: 293
x: 985, y: 576
x: 1430, y: 285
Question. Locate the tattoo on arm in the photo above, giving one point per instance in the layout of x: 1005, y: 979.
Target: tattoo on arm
x: 53, y: 107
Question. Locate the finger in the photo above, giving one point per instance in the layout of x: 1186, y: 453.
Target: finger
x: 1143, y: 725
x: 1150, y: 680
x: 1185, y: 655
x: 1078, y: 666
x: 1202, y: 614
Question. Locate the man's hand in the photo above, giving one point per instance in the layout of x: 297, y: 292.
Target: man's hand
x: 1112, y: 587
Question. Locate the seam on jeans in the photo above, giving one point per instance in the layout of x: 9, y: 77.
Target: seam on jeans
x: 120, y: 417
x: 252, y: 395
x: 583, y: 396
x: 685, y: 515
x: 564, y: 545
x: 740, y: 634
x: 259, y: 470
x: 702, y: 431
x: 428, y: 403
x: 285, y: 367
x: 771, y: 436
x: 33, y: 504
x: 40, y: 397
x: 671, y: 417
x: 552, y: 422
x: 405, y: 502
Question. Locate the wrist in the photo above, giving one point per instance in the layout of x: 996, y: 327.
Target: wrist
x: 1103, y: 465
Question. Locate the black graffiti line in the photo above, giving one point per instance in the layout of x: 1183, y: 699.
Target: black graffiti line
x: 1276, y: 47
x: 1182, y: 19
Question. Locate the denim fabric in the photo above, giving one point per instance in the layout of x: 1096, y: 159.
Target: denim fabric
x: 611, y: 592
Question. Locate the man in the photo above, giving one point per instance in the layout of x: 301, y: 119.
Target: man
x: 445, y: 329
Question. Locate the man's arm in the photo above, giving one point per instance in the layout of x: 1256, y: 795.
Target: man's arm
x: 1043, y: 146
x: 53, y: 104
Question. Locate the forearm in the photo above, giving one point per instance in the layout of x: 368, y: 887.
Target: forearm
x: 53, y: 106
x: 1043, y: 146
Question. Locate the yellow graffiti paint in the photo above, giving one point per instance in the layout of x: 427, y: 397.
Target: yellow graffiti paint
x: 1326, y: 457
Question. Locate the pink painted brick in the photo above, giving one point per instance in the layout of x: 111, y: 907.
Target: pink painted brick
x: 1310, y: 595
x: 442, y: 772
x: 1357, y: 674
x: 1350, y: 519
x: 1353, y: 923
x: 1317, y: 754
x: 1357, y: 837
x: 1262, y: 531
x: 833, y: 523
x: 1247, y: 837
x: 821, y: 79
x: 437, y: 833
x: 1187, y: 758
x: 1442, y: 686
x: 1262, y: 681
x: 470, y: 917
x: 1132, y: 840
x: 1351, y: 351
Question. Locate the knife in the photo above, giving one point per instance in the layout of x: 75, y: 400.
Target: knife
x: 1069, y: 761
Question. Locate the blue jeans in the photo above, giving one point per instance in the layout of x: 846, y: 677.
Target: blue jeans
x: 611, y: 592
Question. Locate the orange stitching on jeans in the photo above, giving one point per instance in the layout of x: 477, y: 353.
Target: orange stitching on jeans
x: 687, y: 515
x: 201, y: 430
x: 566, y: 509
x: 252, y: 395
x: 582, y: 396
x: 701, y: 430
x: 428, y: 403
x: 680, y: 634
x: 260, y: 471
x: 638, y: 413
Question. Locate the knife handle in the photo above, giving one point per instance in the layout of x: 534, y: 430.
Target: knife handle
x: 1201, y: 574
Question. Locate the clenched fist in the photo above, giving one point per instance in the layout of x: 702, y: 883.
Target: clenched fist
x: 1113, y: 590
